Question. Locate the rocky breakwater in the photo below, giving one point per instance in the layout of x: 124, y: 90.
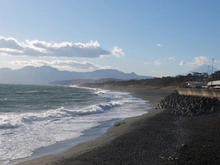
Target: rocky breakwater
x: 187, y: 105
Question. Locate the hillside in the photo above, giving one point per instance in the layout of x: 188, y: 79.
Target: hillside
x: 46, y: 74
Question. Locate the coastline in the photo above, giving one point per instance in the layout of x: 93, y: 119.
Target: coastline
x: 120, y: 128
x: 57, y: 148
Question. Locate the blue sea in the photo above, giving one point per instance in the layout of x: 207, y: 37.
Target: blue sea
x: 38, y: 116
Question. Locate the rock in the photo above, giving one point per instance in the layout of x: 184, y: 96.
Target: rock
x: 183, y: 105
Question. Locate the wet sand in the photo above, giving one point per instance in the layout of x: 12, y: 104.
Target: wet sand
x: 157, y: 137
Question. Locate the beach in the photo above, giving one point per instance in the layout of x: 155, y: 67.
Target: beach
x: 157, y: 137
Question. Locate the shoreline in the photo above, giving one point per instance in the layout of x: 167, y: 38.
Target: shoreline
x: 57, y: 148
x: 122, y: 127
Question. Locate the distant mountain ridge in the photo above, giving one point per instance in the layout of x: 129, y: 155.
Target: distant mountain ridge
x: 47, y: 74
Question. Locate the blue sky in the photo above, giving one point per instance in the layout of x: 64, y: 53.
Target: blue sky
x: 148, y: 37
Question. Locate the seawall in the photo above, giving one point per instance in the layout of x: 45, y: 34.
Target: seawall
x: 200, y: 92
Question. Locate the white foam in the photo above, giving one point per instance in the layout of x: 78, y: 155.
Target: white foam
x: 21, y: 92
x: 22, y: 133
x: 3, y: 99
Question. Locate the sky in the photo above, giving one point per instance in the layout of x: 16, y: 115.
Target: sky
x: 148, y: 37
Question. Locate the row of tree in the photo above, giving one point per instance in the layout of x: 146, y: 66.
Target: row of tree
x: 179, y: 80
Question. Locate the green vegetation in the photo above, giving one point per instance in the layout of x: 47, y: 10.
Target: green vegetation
x: 177, y: 81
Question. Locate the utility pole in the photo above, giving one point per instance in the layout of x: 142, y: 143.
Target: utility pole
x: 208, y: 71
x: 212, y: 71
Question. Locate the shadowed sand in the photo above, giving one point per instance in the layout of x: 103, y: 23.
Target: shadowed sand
x: 157, y: 137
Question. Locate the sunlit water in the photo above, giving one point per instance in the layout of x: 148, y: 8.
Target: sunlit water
x: 32, y: 116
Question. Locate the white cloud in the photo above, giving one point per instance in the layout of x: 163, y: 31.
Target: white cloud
x: 159, y: 45
x: 38, y: 48
x: 147, y: 62
x: 198, y: 61
x: 171, y: 58
x: 8, y: 50
x: 10, y: 43
x: 117, y: 52
x: 158, y: 62
x: 182, y: 63
x: 63, y: 65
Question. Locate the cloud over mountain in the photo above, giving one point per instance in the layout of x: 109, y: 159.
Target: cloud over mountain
x: 36, y: 48
x: 62, y: 64
x: 198, y: 61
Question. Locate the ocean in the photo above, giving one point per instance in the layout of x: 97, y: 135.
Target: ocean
x: 33, y: 117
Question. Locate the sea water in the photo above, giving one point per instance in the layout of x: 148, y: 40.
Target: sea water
x: 36, y: 116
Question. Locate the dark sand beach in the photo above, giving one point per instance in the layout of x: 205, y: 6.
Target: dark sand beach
x: 157, y: 137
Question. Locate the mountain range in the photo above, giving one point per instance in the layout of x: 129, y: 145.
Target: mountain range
x: 47, y: 74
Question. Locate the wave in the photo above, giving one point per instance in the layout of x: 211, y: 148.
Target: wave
x: 8, y: 126
x: 33, y: 91
x: 97, y: 91
x: 38, y: 127
x: 93, y: 109
x: 3, y: 99
x: 25, y: 92
x: 18, y: 119
x: 9, y: 121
